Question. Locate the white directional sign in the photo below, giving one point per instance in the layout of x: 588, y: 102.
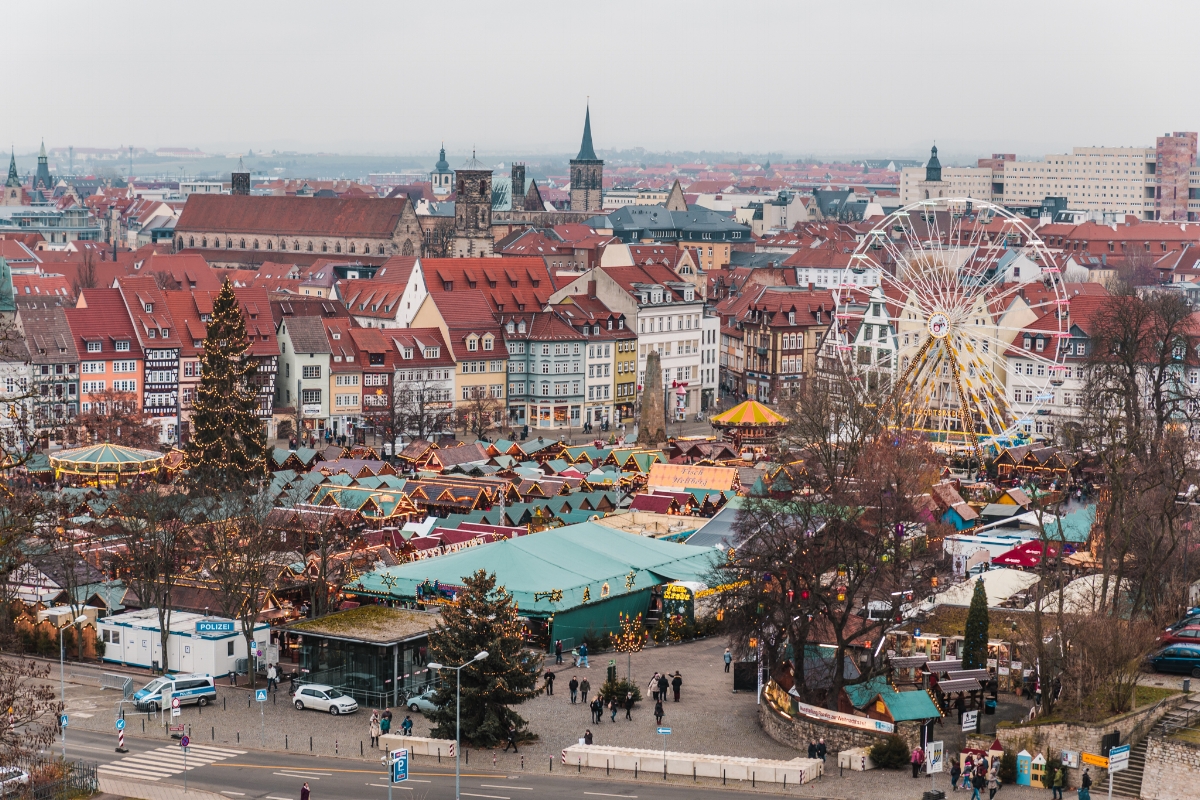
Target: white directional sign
x: 1118, y: 758
x: 970, y: 720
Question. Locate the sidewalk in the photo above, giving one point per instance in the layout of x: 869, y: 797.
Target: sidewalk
x: 152, y: 791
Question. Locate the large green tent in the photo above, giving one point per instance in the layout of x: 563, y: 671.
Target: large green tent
x: 576, y: 578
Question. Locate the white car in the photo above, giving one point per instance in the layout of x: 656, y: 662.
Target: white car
x: 12, y: 779
x: 324, y: 698
x: 423, y: 702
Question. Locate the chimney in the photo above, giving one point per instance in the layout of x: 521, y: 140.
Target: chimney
x: 591, y: 288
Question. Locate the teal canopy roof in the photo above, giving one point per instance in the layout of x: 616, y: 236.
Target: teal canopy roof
x: 567, y: 560
x: 903, y: 706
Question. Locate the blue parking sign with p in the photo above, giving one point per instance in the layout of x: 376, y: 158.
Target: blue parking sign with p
x: 260, y: 695
x: 399, y: 765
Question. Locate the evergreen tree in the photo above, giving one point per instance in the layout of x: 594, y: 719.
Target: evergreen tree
x: 229, y: 443
x: 975, y: 639
x: 483, y: 619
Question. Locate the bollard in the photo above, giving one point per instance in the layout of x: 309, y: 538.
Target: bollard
x: 360, y: 748
x: 213, y: 733
x: 222, y: 703
x: 693, y: 773
x: 285, y: 742
x: 785, y: 781
x: 493, y: 758
x: 143, y: 724
x: 310, y: 744
x: 522, y: 763
x: 439, y: 755
x: 273, y: 696
x: 635, y: 766
x: 579, y: 765
x: 751, y: 780
x: 468, y: 754
x: 552, y: 763
x: 335, y: 747
x: 247, y: 701
x: 722, y: 777
x: 664, y: 770
x: 200, y: 709
x: 239, y: 737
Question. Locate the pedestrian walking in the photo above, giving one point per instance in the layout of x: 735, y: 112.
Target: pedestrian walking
x: 728, y: 659
x: 304, y: 791
x: 512, y: 739
x: 968, y: 771
x: 291, y: 683
x: 612, y: 706
x: 573, y: 686
x: 375, y: 729
x: 385, y: 723
x: 955, y: 773
x: 558, y: 651
x: 993, y: 783
x: 812, y: 748
x: 977, y: 784
x: 629, y: 706
x: 960, y: 705
x: 1056, y: 785
x: 585, y: 686
x: 658, y: 712
x: 663, y: 683
x: 821, y: 749
x: 1085, y: 785
x: 653, y: 686
x: 676, y: 683
x: 915, y: 759
x: 583, y: 662
x: 597, y: 709
x: 549, y: 677
x: 406, y: 725
x: 587, y: 736
x: 271, y: 678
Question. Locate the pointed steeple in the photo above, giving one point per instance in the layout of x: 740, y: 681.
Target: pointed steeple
x: 13, y: 178
x: 586, y: 151
x: 933, y: 169
x: 42, y: 154
x: 675, y: 200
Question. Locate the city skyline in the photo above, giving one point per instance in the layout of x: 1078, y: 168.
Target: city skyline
x: 879, y: 81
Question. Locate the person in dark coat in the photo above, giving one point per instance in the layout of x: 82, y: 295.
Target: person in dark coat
x: 549, y: 677
x: 573, y: 685
x: 960, y: 705
x: 955, y: 772
x: 628, y: 705
x: 658, y: 712
x: 676, y: 682
x: 663, y: 683
x: 558, y: 651
x: 587, y: 736
x: 304, y: 791
x: 812, y: 749
x: 612, y: 706
x: 511, y: 739
x: 821, y: 751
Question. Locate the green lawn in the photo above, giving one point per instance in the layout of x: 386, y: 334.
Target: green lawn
x: 1146, y: 695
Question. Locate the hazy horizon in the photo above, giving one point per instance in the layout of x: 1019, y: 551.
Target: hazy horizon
x: 391, y: 80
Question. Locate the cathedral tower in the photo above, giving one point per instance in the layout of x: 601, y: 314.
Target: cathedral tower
x: 587, y: 173
x: 42, y: 179
x: 473, y: 209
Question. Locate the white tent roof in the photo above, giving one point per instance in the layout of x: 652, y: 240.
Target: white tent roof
x: 1000, y: 584
x: 1081, y: 595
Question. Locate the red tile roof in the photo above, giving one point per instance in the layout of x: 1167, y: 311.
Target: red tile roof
x: 508, y: 284
x: 102, y: 317
x: 291, y: 216
x: 148, y: 307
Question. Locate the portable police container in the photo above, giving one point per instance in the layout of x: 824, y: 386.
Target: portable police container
x: 197, y: 643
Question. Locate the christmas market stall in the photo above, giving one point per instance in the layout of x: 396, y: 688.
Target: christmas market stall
x: 571, y: 583
x: 751, y: 426
x: 105, y: 464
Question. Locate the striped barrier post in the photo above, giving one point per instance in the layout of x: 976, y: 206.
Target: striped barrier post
x: 564, y: 756
x: 121, y: 741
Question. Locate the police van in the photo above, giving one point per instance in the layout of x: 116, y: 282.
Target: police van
x: 193, y: 688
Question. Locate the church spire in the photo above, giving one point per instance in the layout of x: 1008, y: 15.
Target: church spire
x: 13, y: 178
x: 933, y: 169
x: 42, y: 154
x: 586, y: 151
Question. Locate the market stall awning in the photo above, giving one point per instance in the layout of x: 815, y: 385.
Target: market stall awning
x: 1028, y: 554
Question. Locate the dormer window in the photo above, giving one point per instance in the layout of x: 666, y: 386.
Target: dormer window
x: 1028, y: 342
x: 521, y: 326
x: 93, y: 347
x: 336, y: 335
x: 488, y: 341
x: 510, y: 327
x: 791, y: 318
x: 610, y: 323
x: 150, y: 333
x: 164, y: 332
x: 407, y: 352
x: 472, y: 344
x: 620, y: 324
x: 687, y: 294
x: 433, y: 352
x: 1041, y: 344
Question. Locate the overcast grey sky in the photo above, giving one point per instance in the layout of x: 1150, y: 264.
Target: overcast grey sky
x: 398, y: 77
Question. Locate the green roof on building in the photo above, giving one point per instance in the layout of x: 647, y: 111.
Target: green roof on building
x: 903, y: 706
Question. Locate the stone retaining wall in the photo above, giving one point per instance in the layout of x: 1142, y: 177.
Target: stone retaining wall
x: 798, y: 731
x: 1172, y: 770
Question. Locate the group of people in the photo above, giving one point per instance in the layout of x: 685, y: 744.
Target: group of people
x: 614, y: 705
x: 581, y: 654
x: 976, y: 775
x: 816, y: 749
x: 381, y: 723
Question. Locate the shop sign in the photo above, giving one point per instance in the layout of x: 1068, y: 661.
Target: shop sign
x: 849, y: 720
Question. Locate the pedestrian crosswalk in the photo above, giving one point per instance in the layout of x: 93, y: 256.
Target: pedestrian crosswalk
x: 164, y: 762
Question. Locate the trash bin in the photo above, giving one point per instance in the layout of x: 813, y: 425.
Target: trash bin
x: 935, y: 794
x: 989, y: 706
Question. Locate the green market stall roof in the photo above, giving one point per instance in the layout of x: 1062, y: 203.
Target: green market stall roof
x: 553, y: 570
x: 105, y: 460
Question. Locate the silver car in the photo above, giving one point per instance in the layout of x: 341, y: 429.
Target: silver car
x: 12, y: 780
x: 321, y: 697
x: 422, y: 702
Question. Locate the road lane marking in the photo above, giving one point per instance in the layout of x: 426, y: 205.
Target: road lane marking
x: 492, y: 796
x: 493, y: 786
x: 295, y: 775
x: 235, y: 794
x: 273, y: 797
x: 602, y: 794
x: 365, y: 772
x: 393, y: 786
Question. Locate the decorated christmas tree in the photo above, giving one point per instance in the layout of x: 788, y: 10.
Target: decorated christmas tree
x: 228, y: 447
x: 975, y: 638
x: 483, y: 619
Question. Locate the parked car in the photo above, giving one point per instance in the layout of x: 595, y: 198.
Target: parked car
x: 158, y: 693
x: 1189, y: 634
x: 422, y: 702
x: 1191, y: 618
x: 321, y: 697
x: 12, y: 779
x: 1180, y: 658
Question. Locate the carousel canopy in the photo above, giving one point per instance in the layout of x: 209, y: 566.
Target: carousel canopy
x: 105, y: 459
x: 748, y: 414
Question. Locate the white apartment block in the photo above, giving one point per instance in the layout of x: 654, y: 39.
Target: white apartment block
x: 599, y: 384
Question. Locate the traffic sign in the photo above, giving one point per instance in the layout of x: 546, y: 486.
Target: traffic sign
x: 214, y: 627
x: 399, y: 765
x: 1094, y: 760
x: 120, y: 724
x: 970, y: 720
x: 174, y: 702
x: 185, y: 741
x: 1118, y: 758
x: 63, y: 720
x: 260, y: 695
x: 664, y: 731
x: 175, y: 711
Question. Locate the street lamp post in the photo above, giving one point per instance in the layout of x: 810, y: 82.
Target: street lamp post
x: 480, y: 656
x: 62, y: 674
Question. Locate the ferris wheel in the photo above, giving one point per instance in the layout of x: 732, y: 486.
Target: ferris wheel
x: 939, y: 300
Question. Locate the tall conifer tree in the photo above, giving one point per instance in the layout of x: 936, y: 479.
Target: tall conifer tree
x: 975, y: 637
x: 229, y: 442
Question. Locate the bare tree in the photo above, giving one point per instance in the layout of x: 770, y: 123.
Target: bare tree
x: 85, y: 275
x: 480, y: 412
x: 116, y: 417
x: 155, y: 547
x: 29, y: 709
x: 419, y: 409
x: 439, y: 240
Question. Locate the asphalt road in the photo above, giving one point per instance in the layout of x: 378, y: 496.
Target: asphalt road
x: 259, y: 775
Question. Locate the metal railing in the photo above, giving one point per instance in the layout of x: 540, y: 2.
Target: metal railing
x: 52, y: 779
x: 372, y: 698
x: 119, y: 682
